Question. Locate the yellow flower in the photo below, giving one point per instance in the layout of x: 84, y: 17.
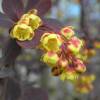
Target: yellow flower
x: 97, y: 44
x: 79, y: 66
x: 34, y: 21
x: 82, y: 56
x: 69, y: 75
x: 24, y: 19
x: 63, y: 63
x: 83, y: 89
x: 67, y: 32
x: 51, y: 42
x: 31, y: 20
x: 22, y: 32
x: 91, y: 52
x: 74, y: 45
x: 50, y: 58
x: 88, y: 78
x: 84, y: 83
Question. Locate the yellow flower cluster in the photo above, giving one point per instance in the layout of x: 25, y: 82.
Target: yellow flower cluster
x: 61, y: 53
x: 25, y: 27
x: 84, y: 83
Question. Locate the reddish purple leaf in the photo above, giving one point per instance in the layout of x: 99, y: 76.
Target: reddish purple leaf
x: 41, y: 5
x: 53, y: 24
x: 30, y: 93
x: 34, y: 42
x: 30, y: 4
x: 5, y: 21
x: 13, y: 8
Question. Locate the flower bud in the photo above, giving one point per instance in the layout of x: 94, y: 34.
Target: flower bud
x: 88, y: 78
x: 91, y: 52
x: 50, y: 58
x: 63, y: 63
x: 34, y: 21
x: 74, y: 45
x: 82, y: 56
x: 31, y: 20
x: 84, y: 89
x: 67, y: 33
x: 84, y: 83
x: 79, y: 66
x: 22, y: 32
x: 97, y: 44
x: 24, y: 20
x: 51, y: 42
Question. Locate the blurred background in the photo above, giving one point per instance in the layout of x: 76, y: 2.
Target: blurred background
x: 81, y: 14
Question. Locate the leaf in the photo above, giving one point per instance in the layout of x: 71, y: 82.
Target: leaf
x: 53, y: 24
x: 5, y: 21
x: 41, y: 5
x: 34, y: 42
x: 13, y: 8
x: 30, y: 93
x: 31, y: 4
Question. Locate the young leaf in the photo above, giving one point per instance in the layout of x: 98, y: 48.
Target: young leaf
x: 53, y: 25
x: 13, y: 8
x: 5, y: 21
x: 41, y: 5
x: 30, y: 4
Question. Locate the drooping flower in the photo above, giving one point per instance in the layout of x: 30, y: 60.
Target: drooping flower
x: 51, y: 42
x: 84, y: 83
x: 67, y: 33
x: 63, y: 63
x: 69, y: 74
x: 79, y: 66
x: 74, y: 45
x: 22, y: 32
x: 50, y: 58
x: 31, y: 19
x: 97, y: 44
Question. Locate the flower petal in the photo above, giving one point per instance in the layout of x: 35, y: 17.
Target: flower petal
x: 13, y: 8
x: 41, y: 5
x: 5, y: 21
